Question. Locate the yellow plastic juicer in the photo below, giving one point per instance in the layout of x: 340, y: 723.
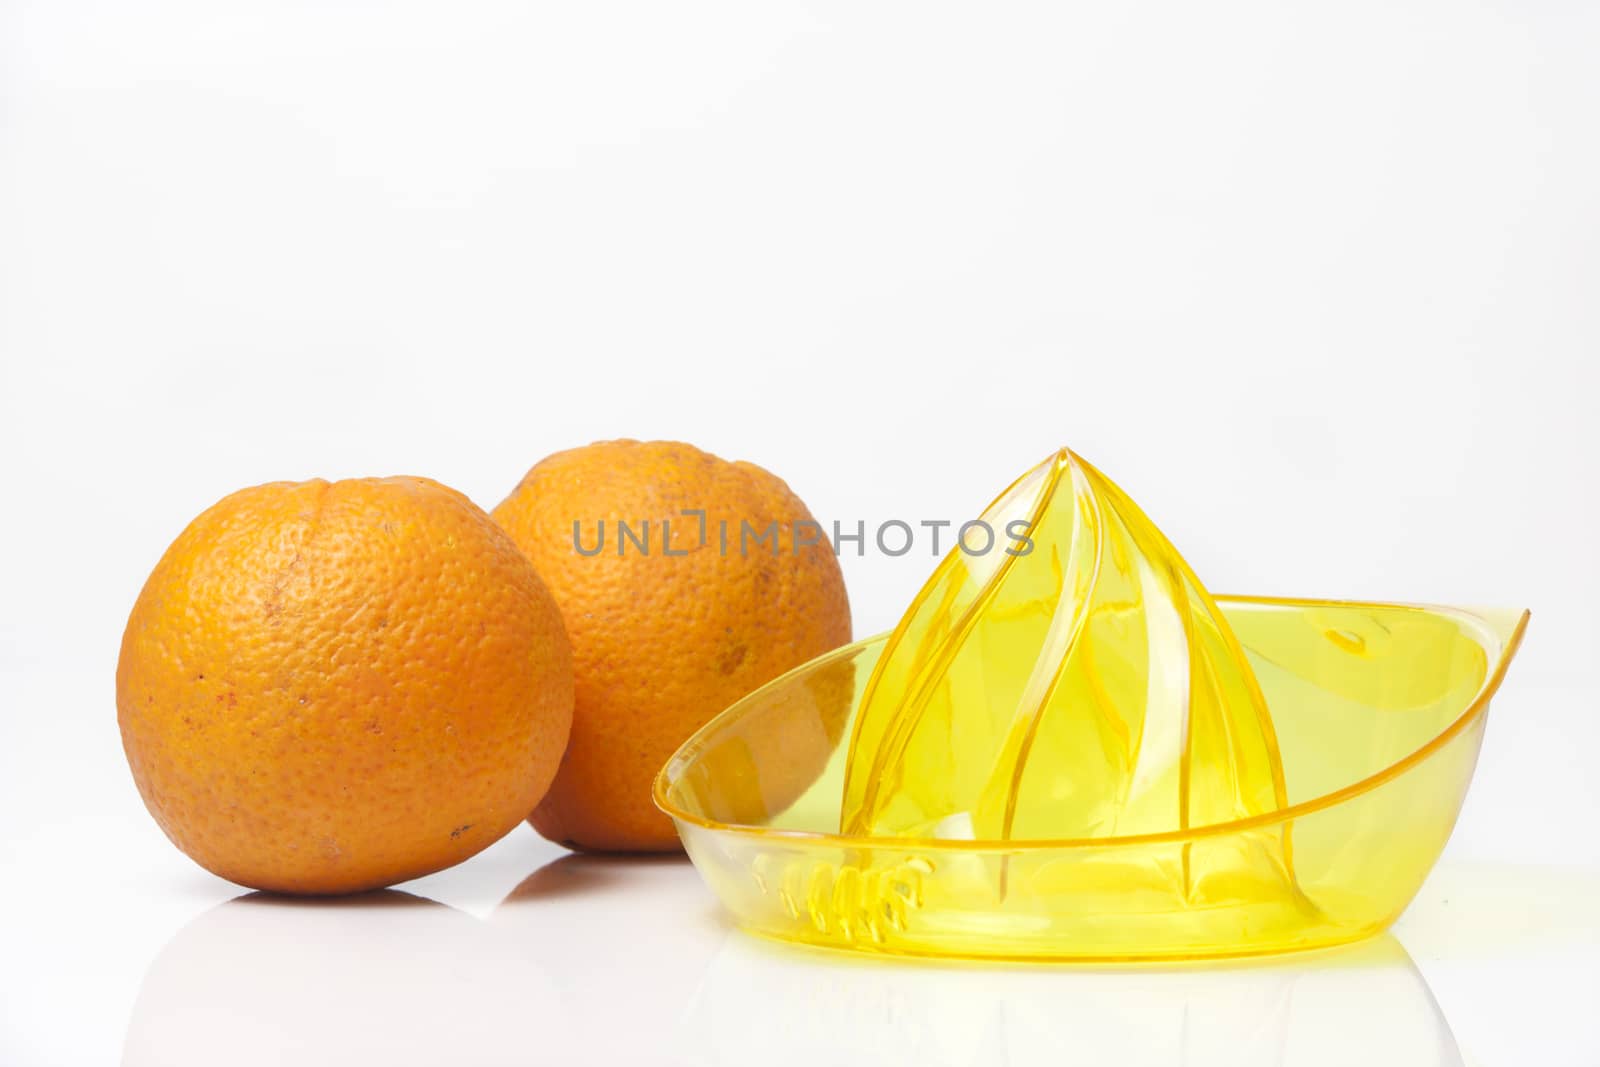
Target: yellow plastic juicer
x: 1068, y: 749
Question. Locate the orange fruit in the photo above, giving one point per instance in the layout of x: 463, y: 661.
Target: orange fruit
x: 326, y: 688
x: 663, y: 641
x: 783, y: 747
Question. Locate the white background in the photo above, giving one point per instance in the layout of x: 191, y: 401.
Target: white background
x: 1316, y: 284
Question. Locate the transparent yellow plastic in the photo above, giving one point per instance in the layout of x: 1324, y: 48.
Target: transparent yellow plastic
x: 1379, y: 712
x: 1079, y: 684
x: 1075, y: 752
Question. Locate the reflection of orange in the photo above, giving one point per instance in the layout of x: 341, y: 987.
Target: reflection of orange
x: 382, y: 978
x: 662, y: 642
x: 326, y: 688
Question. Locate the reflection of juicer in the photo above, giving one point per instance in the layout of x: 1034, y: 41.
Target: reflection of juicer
x: 1067, y: 751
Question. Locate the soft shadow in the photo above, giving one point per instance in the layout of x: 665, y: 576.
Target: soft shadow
x: 376, y: 899
x: 583, y: 872
x: 1475, y: 910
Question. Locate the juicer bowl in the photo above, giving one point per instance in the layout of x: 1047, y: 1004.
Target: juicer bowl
x: 1379, y: 711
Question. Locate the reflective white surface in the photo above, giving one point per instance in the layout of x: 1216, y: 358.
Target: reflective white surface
x: 589, y: 960
x: 1260, y: 261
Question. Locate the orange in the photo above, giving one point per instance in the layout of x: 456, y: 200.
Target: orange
x: 326, y: 688
x: 661, y: 642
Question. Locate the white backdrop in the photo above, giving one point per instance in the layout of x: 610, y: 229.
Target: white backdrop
x: 1318, y: 288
